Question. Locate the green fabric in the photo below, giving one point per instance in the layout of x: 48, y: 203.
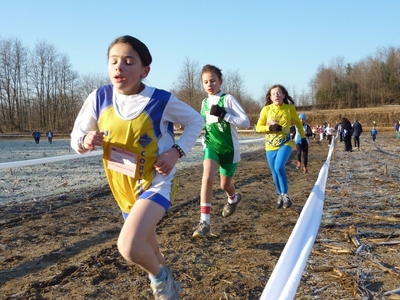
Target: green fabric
x: 218, y: 135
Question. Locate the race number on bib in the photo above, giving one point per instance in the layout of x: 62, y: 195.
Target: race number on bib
x: 122, y: 161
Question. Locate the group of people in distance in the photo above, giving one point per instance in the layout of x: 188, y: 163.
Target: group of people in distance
x: 37, y: 135
x: 346, y: 131
x: 133, y: 123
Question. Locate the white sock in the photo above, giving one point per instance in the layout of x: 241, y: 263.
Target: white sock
x: 231, y: 201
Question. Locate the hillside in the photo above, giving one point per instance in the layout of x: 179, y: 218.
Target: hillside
x: 384, y: 116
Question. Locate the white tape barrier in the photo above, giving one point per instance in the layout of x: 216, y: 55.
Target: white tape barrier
x: 286, y: 275
x: 46, y: 160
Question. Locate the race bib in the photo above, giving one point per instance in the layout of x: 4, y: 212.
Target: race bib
x: 122, y: 161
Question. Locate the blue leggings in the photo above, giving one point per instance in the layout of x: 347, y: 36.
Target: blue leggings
x: 277, y: 160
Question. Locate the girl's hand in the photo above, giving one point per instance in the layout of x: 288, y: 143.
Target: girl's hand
x: 93, y: 139
x: 166, y: 161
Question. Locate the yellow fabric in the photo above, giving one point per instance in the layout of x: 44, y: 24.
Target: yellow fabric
x: 283, y: 115
x: 126, y: 135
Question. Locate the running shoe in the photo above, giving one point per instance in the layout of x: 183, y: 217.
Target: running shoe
x: 229, y: 209
x: 169, y: 289
x: 286, y: 201
x: 202, y: 230
x: 279, y: 203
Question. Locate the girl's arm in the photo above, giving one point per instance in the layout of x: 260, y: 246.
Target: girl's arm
x: 262, y: 121
x: 85, y: 122
x: 235, y: 114
x: 180, y: 112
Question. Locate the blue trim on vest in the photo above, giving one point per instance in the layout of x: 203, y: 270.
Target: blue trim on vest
x: 155, y: 109
x: 103, y: 98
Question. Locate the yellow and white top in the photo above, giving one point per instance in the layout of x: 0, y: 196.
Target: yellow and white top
x: 138, y: 128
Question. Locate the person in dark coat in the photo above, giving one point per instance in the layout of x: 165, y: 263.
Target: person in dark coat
x: 357, y: 130
x: 36, y: 135
x: 347, y: 133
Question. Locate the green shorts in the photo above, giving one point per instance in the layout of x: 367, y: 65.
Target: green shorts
x: 225, y: 169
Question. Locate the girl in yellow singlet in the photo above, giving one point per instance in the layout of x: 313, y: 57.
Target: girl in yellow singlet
x: 133, y: 123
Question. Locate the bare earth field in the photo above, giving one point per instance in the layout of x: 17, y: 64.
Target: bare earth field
x: 64, y: 246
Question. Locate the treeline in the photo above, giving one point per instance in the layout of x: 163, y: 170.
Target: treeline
x: 39, y: 88
x: 371, y: 82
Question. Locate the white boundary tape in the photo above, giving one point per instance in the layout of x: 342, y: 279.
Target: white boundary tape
x: 286, y: 275
x: 46, y: 160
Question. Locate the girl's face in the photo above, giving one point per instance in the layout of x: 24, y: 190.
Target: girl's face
x: 125, y: 69
x: 211, y: 83
x: 277, y: 96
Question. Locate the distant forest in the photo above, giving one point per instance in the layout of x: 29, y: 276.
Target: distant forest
x: 39, y: 88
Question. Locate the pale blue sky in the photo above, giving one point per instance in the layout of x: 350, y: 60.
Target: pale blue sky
x: 267, y: 42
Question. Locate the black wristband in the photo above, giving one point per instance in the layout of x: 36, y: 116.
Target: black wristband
x: 181, y: 153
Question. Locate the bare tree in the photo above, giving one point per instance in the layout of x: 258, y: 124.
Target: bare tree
x: 233, y: 84
x: 89, y: 82
x: 12, y: 67
x: 43, y: 67
x: 188, y: 86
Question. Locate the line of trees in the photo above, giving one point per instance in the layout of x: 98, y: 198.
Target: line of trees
x: 371, y: 82
x: 39, y: 88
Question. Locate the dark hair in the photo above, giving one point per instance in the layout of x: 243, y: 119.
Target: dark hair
x: 137, y: 45
x: 211, y: 68
x: 284, y: 91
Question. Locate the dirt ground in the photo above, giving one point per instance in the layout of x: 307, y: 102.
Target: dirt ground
x: 65, y: 248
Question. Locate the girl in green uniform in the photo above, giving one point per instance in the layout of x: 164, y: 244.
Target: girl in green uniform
x: 222, y: 114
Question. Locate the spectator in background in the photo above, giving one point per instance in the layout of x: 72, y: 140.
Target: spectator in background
x: 324, y: 131
x: 329, y: 132
x: 36, y: 135
x: 397, y: 128
x: 374, y: 132
x: 302, y: 149
x: 50, y: 136
x: 340, y: 131
x: 357, y: 130
x: 320, y: 132
x: 314, y: 131
x: 347, y: 133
